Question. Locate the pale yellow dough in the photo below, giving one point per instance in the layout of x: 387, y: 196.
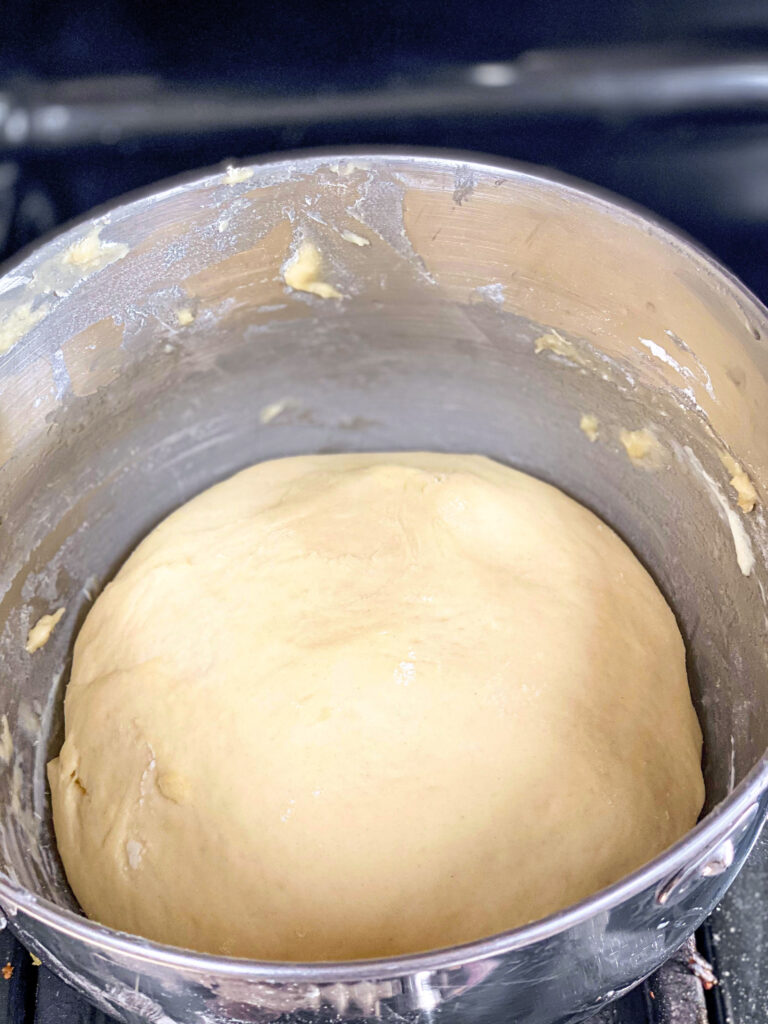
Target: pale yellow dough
x: 346, y: 706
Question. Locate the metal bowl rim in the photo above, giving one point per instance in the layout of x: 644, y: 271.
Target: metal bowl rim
x: 713, y: 828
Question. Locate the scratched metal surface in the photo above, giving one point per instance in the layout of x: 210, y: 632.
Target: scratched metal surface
x: 33, y: 995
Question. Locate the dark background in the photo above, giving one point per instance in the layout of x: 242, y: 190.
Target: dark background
x: 309, y: 45
x: 702, y: 163
x: 663, y: 101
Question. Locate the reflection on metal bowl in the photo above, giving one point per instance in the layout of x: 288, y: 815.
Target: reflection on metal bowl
x: 156, y: 348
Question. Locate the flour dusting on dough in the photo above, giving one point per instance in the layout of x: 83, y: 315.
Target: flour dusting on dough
x: 40, y: 633
x: 134, y: 851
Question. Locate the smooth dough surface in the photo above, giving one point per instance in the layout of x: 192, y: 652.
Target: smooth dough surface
x: 345, y: 706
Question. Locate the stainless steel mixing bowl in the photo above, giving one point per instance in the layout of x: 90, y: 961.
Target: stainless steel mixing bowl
x: 155, y: 349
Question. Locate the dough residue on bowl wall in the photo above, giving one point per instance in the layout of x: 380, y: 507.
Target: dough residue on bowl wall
x: 6, y: 740
x: 354, y: 238
x: 746, y: 495
x: 554, y: 342
x: 642, y: 446
x: 589, y: 425
x: 302, y: 273
x: 17, y: 323
x: 185, y: 316
x: 274, y: 409
x: 90, y: 253
x: 745, y: 555
x: 237, y: 175
x: 40, y: 633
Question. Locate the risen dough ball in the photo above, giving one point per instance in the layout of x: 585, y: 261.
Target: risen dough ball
x: 357, y: 705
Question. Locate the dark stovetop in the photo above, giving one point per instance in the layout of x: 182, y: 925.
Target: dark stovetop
x: 669, y: 107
